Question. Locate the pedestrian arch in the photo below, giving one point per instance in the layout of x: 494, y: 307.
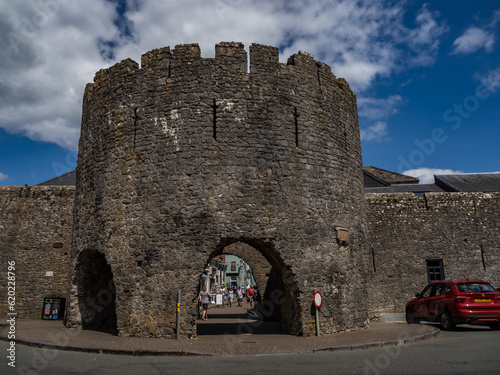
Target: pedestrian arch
x: 276, y: 284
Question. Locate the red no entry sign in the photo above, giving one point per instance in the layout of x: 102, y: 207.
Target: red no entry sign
x: 318, y: 300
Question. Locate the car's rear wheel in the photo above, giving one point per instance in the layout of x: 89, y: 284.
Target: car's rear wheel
x: 447, y: 322
x: 410, y: 317
x: 494, y: 326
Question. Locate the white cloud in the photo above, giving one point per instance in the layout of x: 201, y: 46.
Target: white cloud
x: 424, y: 39
x: 376, y: 132
x: 494, y: 18
x: 49, y: 54
x: 426, y: 175
x: 472, y: 40
x: 3, y: 177
x: 365, y: 39
x: 51, y: 49
x: 375, y: 108
x: 490, y: 80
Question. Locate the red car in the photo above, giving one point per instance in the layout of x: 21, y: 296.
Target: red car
x: 456, y: 302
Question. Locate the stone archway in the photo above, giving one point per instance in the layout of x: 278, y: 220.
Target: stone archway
x: 278, y: 292
x: 96, y: 306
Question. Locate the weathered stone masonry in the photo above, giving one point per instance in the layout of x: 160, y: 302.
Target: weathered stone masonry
x: 35, y: 232
x: 462, y: 229
x: 185, y: 156
x: 405, y: 230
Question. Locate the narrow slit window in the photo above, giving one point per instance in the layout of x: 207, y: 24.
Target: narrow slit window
x: 135, y: 125
x: 373, y: 261
x: 214, y: 124
x: 296, y: 119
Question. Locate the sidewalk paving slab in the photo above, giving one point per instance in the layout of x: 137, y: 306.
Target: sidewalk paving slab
x: 54, y: 335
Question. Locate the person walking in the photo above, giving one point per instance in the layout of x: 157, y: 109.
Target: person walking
x: 239, y: 295
x: 204, y: 299
x: 223, y: 292
x: 250, y: 294
x: 230, y: 296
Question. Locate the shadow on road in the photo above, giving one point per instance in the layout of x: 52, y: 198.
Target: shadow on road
x: 235, y: 321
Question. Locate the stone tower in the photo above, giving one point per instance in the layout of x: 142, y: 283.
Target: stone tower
x: 187, y: 157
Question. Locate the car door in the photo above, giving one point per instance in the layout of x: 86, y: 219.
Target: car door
x: 420, y: 306
x: 434, y: 305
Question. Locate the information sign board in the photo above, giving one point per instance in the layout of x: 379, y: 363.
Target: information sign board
x: 53, y: 308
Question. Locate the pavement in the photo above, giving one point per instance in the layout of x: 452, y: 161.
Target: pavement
x: 228, y: 331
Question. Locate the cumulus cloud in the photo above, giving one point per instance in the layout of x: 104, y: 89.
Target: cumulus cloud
x: 489, y: 80
x: 3, y: 177
x: 423, y: 40
x: 377, y: 132
x: 49, y: 53
x: 378, y: 108
x: 426, y: 175
x: 472, y: 40
x: 51, y: 49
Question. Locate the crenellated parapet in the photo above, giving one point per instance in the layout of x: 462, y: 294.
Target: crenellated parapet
x: 205, y: 90
x: 230, y: 57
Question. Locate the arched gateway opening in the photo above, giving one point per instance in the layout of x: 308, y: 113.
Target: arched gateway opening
x: 96, y: 292
x: 276, y: 309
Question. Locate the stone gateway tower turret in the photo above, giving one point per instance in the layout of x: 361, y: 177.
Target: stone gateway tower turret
x: 186, y: 157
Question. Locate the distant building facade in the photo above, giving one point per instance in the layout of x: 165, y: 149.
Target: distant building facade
x: 229, y: 270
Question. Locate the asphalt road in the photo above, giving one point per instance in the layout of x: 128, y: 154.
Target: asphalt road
x: 465, y: 351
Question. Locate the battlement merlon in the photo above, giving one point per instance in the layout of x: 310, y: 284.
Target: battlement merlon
x: 230, y: 56
x: 263, y: 58
x: 157, y: 60
x: 119, y: 72
x: 302, y: 59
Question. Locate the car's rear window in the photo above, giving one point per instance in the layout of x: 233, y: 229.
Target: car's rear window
x: 475, y: 287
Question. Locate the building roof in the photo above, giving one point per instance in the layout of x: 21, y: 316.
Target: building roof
x: 409, y: 188
x: 469, y: 182
x: 383, y: 182
x: 66, y: 179
x: 391, y: 178
x: 372, y: 181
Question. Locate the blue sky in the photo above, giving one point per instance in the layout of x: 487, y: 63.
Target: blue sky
x: 426, y: 75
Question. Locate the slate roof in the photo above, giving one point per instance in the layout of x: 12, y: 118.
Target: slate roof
x: 392, y: 178
x: 409, y: 188
x: 372, y: 181
x: 67, y: 179
x: 469, y: 182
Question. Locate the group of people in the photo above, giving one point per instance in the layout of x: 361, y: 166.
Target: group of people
x: 204, y: 298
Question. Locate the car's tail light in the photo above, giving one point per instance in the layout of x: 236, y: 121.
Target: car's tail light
x: 462, y: 299
x: 497, y: 298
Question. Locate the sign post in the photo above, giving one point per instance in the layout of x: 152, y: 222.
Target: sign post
x: 318, y: 301
x: 178, y: 316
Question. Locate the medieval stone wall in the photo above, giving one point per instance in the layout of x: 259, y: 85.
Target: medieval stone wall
x: 35, y: 233
x: 404, y: 230
x: 462, y: 229
x: 185, y: 156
